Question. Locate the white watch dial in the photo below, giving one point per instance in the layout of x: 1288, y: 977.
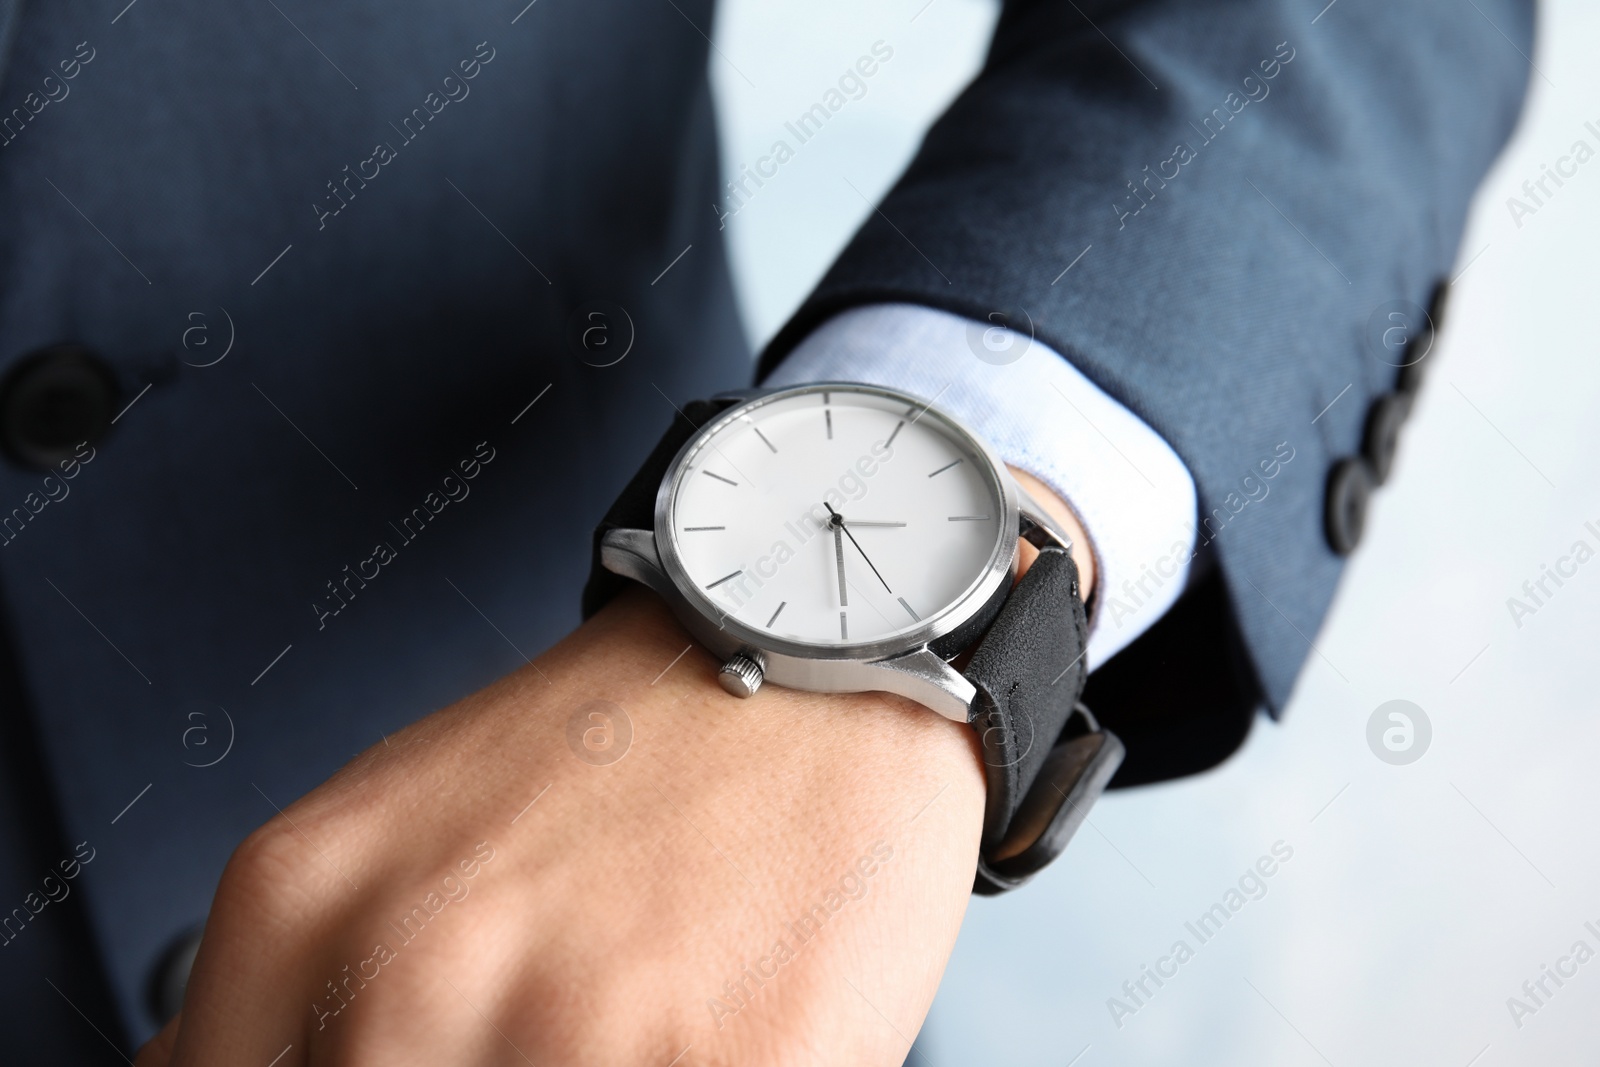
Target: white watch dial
x: 836, y: 516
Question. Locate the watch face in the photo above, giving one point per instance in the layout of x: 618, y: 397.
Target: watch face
x: 836, y: 517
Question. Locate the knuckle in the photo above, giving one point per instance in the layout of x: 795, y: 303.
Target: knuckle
x: 269, y: 853
x: 266, y: 873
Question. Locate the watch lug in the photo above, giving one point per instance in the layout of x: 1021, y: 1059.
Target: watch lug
x: 1038, y: 528
x: 632, y: 554
x: 930, y: 681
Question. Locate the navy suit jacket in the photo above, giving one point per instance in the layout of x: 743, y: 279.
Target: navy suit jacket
x: 333, y: 269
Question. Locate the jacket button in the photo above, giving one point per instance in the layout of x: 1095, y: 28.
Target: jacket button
x: 1349, y: 489
x: 53, y: 400
x: 1439, y: 303
x: 1412, y: 370
x: 1382, y: 438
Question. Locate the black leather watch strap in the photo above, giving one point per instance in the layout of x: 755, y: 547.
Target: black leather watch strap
x: 1045, y: 756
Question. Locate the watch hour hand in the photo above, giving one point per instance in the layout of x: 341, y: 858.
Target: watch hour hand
x: 838, y: 553
x: 864, y: 522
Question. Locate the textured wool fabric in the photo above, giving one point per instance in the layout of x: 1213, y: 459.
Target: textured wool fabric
x: 266, y: 548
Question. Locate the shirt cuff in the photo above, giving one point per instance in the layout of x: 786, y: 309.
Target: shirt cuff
x: 1134, y: 496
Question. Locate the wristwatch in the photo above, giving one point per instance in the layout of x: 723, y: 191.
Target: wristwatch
x: 838, y: 538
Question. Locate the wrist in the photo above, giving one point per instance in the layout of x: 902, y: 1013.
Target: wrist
x: 821, y: 741
x: 1058, y: 509
x: 775, y: 800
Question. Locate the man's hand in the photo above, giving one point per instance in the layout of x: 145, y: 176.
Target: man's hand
x: 767, y: 881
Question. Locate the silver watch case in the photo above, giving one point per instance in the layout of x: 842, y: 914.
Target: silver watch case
x: 912, y: 664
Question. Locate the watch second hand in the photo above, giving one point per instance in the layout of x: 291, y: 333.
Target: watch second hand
x: 839, y: 524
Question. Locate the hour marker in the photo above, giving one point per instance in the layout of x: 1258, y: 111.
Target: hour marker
x: 969, y: 518
x: 844, y: 628
x: 946, y: 467
x: 763, y: 437
x: 775, y: 614
x: 896, y: 430
x: 724, y: 578
x: 719, y: 478
x: 697, y: 529
x: 827, y: 414
x: 909, y: 610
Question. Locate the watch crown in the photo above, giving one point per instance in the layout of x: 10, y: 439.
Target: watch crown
x: 741, y: 676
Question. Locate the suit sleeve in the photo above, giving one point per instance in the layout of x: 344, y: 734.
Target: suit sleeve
x: 1205, y: 207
